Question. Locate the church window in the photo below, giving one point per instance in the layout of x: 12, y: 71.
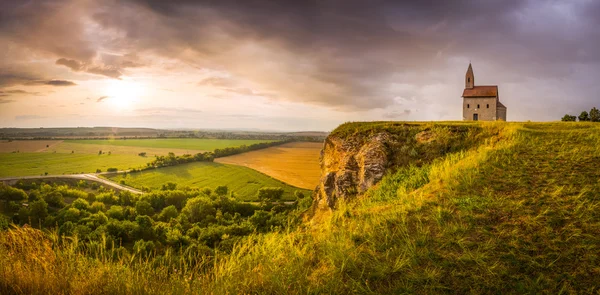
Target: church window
x: 477, y: 106
x: 488, y: 106
x: 469, y: 80
x: 468, y: 106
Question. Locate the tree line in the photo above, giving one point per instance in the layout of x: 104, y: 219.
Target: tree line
x: 592, y: 116
x: 171, y: 159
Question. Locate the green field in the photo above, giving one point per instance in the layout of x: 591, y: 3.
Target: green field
x: 178, y: 143
x: 27, y: 164
x: 245, y: 182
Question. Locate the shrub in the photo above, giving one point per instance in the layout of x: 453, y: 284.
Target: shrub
x: 112, y: 170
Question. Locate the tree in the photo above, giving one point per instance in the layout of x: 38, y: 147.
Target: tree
x: 23, y: 215
x: 221, y: 190
x: 584, y: 116
x: 55, y: 199
x: 299, y: 195
x: 10, y: 193
x: 594, y: 115
x: 81, y: 204
x: 270, y: 194
x: 97, y: 207
x: 197, y: 209
x: 568, y: 118
x: 169, y: 186
x: 115, y: 212
x: 143, y: 208
x: 167, y: 213
x: 38, y: 210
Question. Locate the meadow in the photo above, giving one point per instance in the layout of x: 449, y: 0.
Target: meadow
x: 194, y: 144
x: 243, y: 181
x: 516, y: 212
x: 29, y: 164
x: 296, y: 163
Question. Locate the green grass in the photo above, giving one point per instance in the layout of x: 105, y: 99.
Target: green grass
x: 179, y: 143
x: 28, y: 164
x: 245, y: 182
x: 516, y: 213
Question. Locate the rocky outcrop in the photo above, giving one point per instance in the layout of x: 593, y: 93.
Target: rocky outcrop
x: 356, y: 156
x: 350, y: 167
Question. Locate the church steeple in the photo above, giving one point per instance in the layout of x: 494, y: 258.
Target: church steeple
x: 469, y: 78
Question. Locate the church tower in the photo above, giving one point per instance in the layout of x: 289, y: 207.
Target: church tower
x: 469, y: 78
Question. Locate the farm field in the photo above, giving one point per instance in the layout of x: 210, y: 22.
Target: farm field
x: 244, y: 181
x: 27, y: 146
x: 296, y: 163
x: 25, y: 164
x: 174, y: 143
x: 67, y: 146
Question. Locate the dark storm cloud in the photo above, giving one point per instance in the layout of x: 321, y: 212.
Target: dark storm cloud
x: 349, y: 52
x: 342, y: 54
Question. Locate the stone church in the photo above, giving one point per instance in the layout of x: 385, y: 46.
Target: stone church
x: 481, y: 103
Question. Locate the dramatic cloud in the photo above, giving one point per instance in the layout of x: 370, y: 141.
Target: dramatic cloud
x: 77, y: 66
x: 348, y: 60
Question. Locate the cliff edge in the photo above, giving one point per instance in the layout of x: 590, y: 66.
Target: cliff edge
x: 356, y: 156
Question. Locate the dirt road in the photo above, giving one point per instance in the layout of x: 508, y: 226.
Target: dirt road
x: 88, y: 176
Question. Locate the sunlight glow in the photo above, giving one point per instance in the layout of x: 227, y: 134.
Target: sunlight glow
x: 123, y: 94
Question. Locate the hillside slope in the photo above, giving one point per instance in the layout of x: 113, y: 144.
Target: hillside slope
x: 466, y: 208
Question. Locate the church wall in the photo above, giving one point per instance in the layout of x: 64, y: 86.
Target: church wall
x: 501, y: 114
x: 484, y: 113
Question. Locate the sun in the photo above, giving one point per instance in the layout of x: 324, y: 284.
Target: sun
x: 123, y: 94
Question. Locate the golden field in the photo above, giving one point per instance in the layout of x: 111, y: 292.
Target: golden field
x: 295, y: 163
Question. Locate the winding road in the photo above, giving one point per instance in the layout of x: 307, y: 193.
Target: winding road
x: 88, y: 176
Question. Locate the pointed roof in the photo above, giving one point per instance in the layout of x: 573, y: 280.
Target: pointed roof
x: 470, y: 70
x: 500, y: 105
x: 481, y: 91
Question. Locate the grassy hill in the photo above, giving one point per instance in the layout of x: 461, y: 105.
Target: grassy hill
x: 516, y: 212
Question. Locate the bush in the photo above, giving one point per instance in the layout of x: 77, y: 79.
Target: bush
x: 10, y: 193
x: 112, y: 170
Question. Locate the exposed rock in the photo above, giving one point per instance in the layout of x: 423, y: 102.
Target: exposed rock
x: 356, y: 156
x: 350, y: 168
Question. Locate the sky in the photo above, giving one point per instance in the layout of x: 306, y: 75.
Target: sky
x: 290, y: 65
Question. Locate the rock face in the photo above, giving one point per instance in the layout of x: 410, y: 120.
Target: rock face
x: 357, y: 155
x: 351, y: 166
